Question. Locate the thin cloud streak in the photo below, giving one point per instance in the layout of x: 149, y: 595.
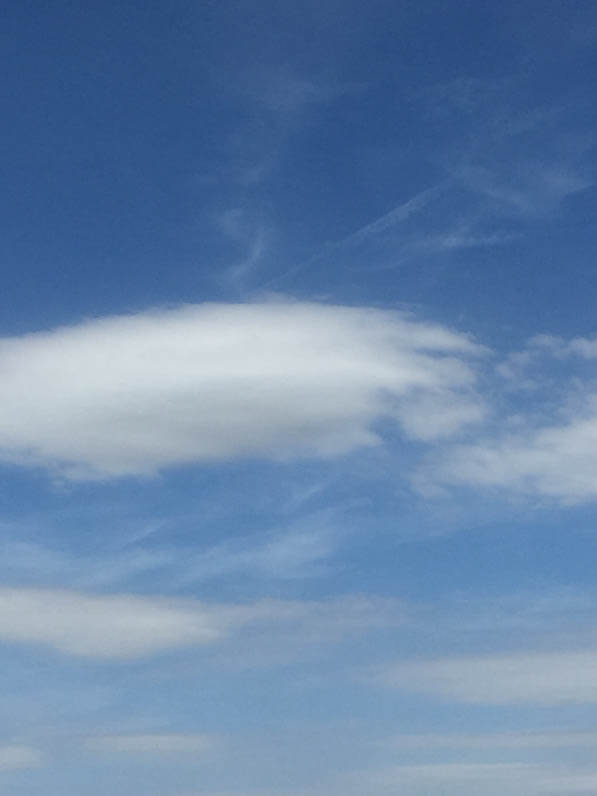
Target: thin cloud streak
x: 369, y: 232
x: 161, y: 744
x: 121, y: 627
x: 14, y: 757
x: 540, y: 678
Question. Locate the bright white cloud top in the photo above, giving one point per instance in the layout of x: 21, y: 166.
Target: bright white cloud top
x: 129, y: 395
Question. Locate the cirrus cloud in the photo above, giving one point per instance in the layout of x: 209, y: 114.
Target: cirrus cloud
x: 542, y: 678
x: 128, y: 626
x: 15, y: 756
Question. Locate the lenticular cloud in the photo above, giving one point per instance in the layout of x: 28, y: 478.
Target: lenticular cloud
x: 129, y: 395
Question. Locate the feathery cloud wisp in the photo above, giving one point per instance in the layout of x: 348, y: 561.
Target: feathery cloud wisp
x: 16, y: 757
x: 153, y: 744
x: 542, y: 678
x: 124, y: 626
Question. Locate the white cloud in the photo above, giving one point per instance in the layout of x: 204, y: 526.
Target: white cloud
x: 133, y: 394
x: 546, y: 446
x: 16, y: 757
x: 526, y: 369
x: 154, y: 744
x: 430, y: 742
x: 113, y: 626
x: 556, y: 461
x: 490, y: 779
x: 534, y: 678
x: 122, y: 627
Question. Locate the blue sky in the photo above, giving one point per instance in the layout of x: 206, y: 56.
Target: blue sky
x: 298, y: 408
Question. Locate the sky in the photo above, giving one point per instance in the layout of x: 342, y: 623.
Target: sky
x: 298, y: 404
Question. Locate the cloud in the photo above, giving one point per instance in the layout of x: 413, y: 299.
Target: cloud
x: 284, y: 93
x: 443, y: 223
x: 392, y: 218
x: 251, y: 235
x: 124, y: 627
x: 295, y: 553
x: 524, y: 612
x: 529, y: 189
x: 113, y: 626
x: 16, y: 757
x: 389, y: 227
x: 556, y: 461
x: 276, y: 632
x: 299, y: 549
x: 34, y: 564
x: 523, y: 161
x: 583, y: 347
x: 130, y: 395
x: 539, y: 678
x: 491, y: 779
x: 154, y: 744
x: 519, y: 367
x: 543, y: 444
x: 431, y: 742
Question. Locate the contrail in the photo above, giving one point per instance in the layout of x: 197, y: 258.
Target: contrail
x: 395, y: 216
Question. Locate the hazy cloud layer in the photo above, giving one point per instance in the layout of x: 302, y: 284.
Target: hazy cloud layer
x: 458, y: 742
x: 540, y: 678
x: 153, y: 744
x: 121, y: 627
x: 490, y: 779
x: 16, y: 757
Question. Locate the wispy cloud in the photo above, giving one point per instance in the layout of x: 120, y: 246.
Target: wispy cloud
x: 470, y: 779
x: 494, y: 741
x: 286, y: 93
x: 301, y: 549
x: 541, y: 446
x: 391, y: 219
x: 533, y: 189
x: 541, y: 678
x: 298, y: 552
x: 554, y: 461
x: 277, y: 102
x: 14, y: 757
x: 251, y: 235
x: 371, y: 233
x: 124, y: 627
x: 277, y: 632
x: 160, y: 744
